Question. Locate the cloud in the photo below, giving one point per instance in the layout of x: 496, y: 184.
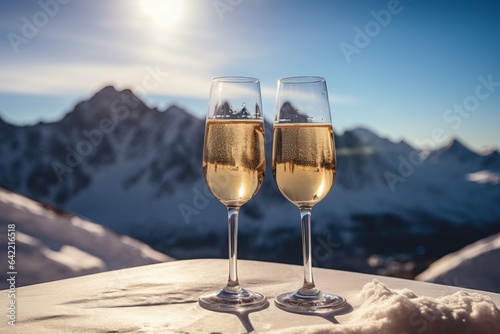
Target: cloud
x: 343, y: 100
x: 122, y: 48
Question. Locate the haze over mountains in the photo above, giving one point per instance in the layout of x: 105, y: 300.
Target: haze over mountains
x: 138, y: 171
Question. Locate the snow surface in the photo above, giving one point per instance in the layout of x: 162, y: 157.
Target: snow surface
x: 383, y: 310
x: 476, y: 266
x: 52, y: 245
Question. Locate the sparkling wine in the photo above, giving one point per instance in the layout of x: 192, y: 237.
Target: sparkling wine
x: 304, y: 161
x: 234, y: 159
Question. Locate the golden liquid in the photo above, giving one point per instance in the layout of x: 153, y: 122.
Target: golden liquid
x: 304, y: 162
x: 234, y: 159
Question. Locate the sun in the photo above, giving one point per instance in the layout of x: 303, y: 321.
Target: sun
x: 163, y: 12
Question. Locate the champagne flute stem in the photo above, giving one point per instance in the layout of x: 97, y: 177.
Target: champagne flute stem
x: 308, y: 287
x: 233, y: 285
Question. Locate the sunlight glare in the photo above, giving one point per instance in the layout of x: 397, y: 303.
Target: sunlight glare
x: 163, y: 12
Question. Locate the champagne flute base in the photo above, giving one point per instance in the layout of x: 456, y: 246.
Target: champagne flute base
x: 320, y: 302
x: 232, y: 301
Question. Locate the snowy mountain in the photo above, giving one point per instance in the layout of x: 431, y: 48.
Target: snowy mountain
x: 138, y: 171
x: 50, y: 244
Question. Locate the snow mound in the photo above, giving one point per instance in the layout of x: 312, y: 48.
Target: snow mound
x: 474, y: 266
x: 484, y: 177
x: 53, y: 245
x: 383, y: 310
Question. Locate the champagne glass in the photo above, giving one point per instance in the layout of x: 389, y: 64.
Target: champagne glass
x: 304, y: 167
x: 234, y: 164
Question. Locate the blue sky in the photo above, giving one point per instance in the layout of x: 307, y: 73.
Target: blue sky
x: 415, y: 70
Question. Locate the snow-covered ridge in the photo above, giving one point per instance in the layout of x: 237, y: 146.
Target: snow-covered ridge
x: 53, y: 245
x: 475, y: 266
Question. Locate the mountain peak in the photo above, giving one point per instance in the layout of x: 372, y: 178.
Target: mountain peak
x: 455, y: 149
x: 4, y: 124
x: 456, y: 146
x: 109, y: 88
x: 109, y: 97
x: 361, y: 130
x: 494, y: 154
x: 492, y: 160
x: 105, y: 93
x: 109, y: 92
x: 363, y: 134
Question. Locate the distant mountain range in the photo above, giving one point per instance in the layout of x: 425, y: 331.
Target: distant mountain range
x: 138, y: 171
